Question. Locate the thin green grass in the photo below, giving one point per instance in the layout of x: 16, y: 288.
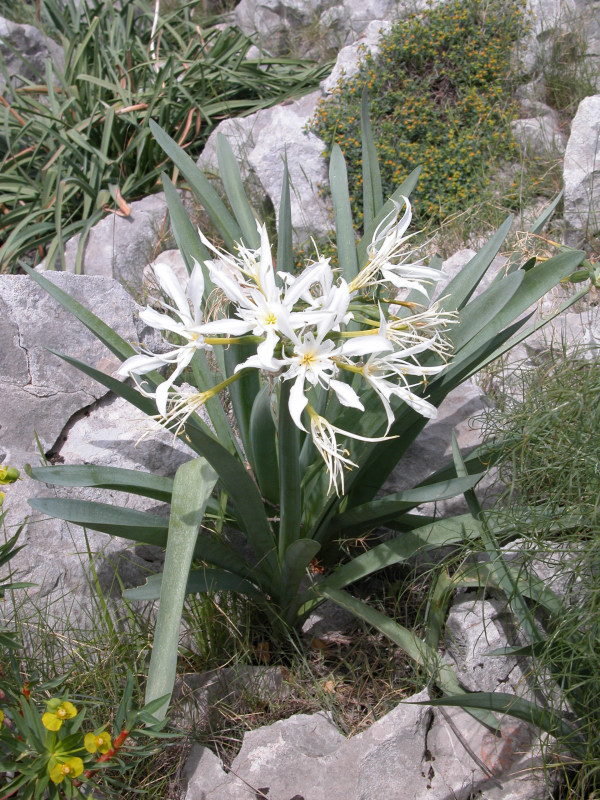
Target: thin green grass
x: 551, y: 415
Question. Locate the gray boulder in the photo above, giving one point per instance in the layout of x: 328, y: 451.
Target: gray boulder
x: 260, y: 142
x: 581, y: 173
x: 282, y: 25
x: 350, y: 56
x: 539, y: 136
x: 41, y: 391
x: 474, y: 629
x: 76, y: 421
x: 24, y: 50
x: 548, y: 18
x: 120, y: 247
x: 413, y: 753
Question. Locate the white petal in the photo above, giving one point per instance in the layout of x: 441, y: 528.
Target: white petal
x: 228, y: 285
x: 195, y: 290
x: 298, y: 401
x: 346, y: 394
x: 361, y: 345
x: 171, y: 286
x: 140, y: 365
x: 162, y: 322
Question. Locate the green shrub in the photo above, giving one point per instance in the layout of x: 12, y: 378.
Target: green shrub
x: 439, y: 94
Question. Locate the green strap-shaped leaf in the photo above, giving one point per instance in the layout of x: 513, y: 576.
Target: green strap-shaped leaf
x: 157, y: 487
x: 378, y: 512
x: 204, y: 379
x: 544, y: 718
x: 462, y: 286
x: 263, y: 448
x: 499, y: 568
x: 477, y: 314
x: 126, y: 523
x: 344, y: 229
x: 242, y: 392
x: 185, y: 233
x: 232, y: 180
x: 536, y: 282
x: 295, y: 564
x: 115, y: 343
x: 199, y: 582
x: 193, y: 484
x: 285, y: 246
x: 372, y: 191
x: 290, y: 511
x: 402, y: 548
x: 509, y: 343
x: 247, y: 502
x: 217, y: 211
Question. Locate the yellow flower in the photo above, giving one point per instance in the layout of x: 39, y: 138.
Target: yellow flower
x: 100, y: 741
x: 58, y: 712
x: 71, y: 768
x: 1, y: 498
x: 8, y: 475
x: 1, y: 719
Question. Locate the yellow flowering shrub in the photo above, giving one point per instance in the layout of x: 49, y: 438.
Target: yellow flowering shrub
x: 439, y: 97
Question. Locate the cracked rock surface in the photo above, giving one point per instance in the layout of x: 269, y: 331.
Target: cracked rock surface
x: 40, y: 393
x: 413, y: 753
x: 76, y: 421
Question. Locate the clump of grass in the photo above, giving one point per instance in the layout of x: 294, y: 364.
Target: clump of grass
x: 20, y: 11
x: 77, y: 143
x: 567, y: 72
x: 550, y: 417
x: 439, y: 97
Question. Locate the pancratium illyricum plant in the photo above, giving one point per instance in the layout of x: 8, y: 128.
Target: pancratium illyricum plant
x: 311, y: 388
x: 314, y: 330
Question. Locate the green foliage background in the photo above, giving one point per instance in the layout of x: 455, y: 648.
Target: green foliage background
x: 440, y: 96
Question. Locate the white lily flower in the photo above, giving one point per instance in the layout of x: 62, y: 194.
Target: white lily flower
x: 423, y: 330
x: 315, y: 358
x: 378, y: 371
x: 387, y: 374
x: 388, y: 260
x: 187, y: 324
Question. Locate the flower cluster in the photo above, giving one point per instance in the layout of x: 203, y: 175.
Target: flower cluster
x: 63, y: 764
x: 314, y: 329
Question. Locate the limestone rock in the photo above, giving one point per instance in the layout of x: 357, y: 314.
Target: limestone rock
x: 120, y: 247
x: 279, y: 25
x: 260, y: 142
x: 581, y: 173
x: 350, y: 56
x: 76, y: 421
x: 474, y: 629
x: 539, y: 136
x: 41, y: 391
x: 413, y: 753
x: 548, y: 18
x: 24, y: 50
